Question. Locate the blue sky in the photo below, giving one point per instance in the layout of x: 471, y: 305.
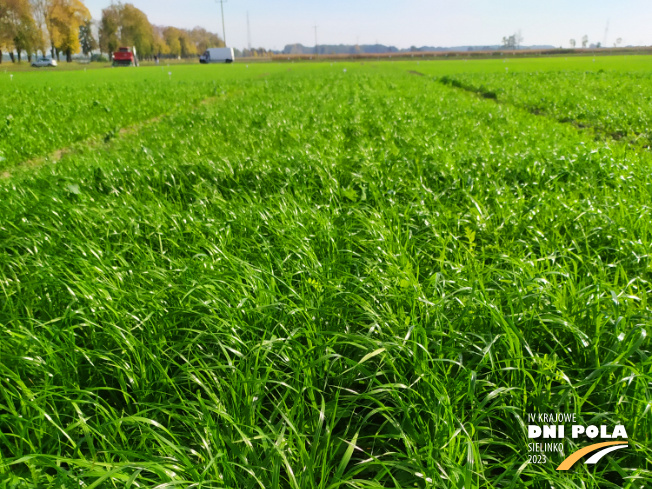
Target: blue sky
x: 406, y: 22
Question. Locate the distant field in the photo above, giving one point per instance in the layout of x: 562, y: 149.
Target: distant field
x: 322, y: 275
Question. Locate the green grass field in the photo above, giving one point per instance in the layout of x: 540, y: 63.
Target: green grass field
x: 324, y: 275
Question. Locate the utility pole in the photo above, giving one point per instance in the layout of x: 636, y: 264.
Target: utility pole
x: 248, y: 33
x: 316, y: 51
x: 223, y: 29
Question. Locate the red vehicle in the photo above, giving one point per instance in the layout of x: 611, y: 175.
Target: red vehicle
x: 125, y: 57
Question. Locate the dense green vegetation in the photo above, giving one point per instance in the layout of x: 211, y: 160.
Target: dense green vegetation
x: 615, y: 104
x: 327, y: 275
x: 50, y: 111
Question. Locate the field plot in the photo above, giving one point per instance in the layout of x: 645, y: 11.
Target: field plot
x: 45, y: 112
x: 335, y: 275
x: 615, y: 105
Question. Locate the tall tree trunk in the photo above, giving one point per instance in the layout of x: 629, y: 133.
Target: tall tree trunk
x: 19, y: 55
x: 0, y: 56
x: 29, y: 58
x: 11, y: 55
x: 68, y: 55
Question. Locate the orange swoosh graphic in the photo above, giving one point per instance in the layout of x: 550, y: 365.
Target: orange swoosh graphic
x: 574, y: 457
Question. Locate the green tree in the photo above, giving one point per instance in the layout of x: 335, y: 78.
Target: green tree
x: 109, y: 31
x: 136, y: 30
x: 514, y: 41
x: 86, y: 38
x: 204, y: 39
x: 160, y: 46
x: 125, y: 25
x: 188, y: 47
x: 509, y: 42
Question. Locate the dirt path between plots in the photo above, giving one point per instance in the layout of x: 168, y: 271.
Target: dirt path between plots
x: 95, y: 141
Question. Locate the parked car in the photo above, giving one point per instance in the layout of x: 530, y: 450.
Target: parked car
x: 41, y: 62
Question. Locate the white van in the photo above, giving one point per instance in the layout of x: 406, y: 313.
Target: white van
x: 217, y: 55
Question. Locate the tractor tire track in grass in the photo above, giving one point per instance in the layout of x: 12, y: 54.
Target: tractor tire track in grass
x: 98, y: 141
x: 596, y: 130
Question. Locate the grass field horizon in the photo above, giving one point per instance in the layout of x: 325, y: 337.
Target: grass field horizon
x: 322, y: 275
x: 519, y: 54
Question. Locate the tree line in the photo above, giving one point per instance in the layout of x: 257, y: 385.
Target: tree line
x: 65, y: 27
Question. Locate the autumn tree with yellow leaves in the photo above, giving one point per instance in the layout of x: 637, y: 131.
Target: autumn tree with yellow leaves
x: 17, y: 28
x: 64, y: 18
x: 5, y: 28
